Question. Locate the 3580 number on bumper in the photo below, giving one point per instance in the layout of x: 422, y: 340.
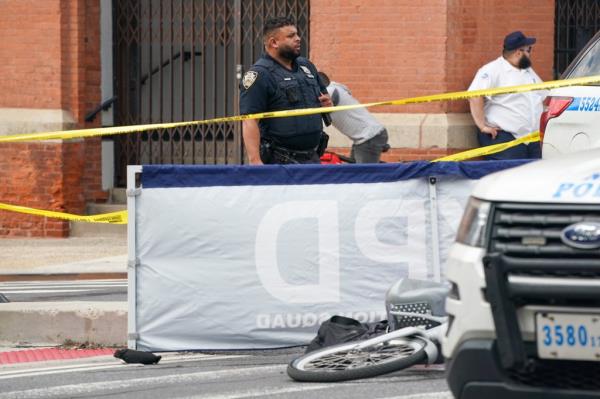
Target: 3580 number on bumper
x: 571, y: 336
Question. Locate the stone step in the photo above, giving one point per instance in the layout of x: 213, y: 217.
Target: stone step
x: 101, y: 323
x: 118, y: 196
x: 84, y: 229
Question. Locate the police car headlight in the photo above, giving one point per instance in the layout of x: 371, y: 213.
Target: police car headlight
x: 473, y: 226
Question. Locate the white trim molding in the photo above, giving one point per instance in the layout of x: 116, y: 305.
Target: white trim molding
x: 423, y: 131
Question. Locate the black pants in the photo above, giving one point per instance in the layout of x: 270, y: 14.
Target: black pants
x: 521, y: 151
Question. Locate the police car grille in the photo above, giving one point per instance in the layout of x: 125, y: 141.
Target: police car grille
x: 560, y: 375
x: 557, y: 273
x: 534, y: 230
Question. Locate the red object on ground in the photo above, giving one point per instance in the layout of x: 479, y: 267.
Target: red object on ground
x: 45, y: 354
x: 330, y: 158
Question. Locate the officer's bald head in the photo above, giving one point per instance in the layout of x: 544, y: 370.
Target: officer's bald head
x: 273, y: 24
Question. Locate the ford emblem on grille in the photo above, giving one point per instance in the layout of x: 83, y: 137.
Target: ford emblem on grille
x: 584, y: 235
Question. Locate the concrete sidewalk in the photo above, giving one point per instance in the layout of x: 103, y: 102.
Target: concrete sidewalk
x: 35, y: 254
x: 26, y: 324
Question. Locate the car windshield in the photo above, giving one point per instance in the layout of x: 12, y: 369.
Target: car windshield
x: 589, y: 64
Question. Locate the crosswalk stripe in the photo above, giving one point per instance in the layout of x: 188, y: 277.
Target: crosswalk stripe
x: 12, y: 287
x: 116, y: 385
x: 429, y: 395
x: 105, y: 280
x: 59, y: 287
x: 62, y: 283
x: 47, y: 291
x: 260, y: 393
x: 114, y: 363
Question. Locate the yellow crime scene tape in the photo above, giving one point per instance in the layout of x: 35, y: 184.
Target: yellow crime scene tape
x: 460, y: 95
x: 490, y: 149
x: 121, y: 216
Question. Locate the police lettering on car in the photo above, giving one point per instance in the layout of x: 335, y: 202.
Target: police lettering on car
x: 583, y: 188
x: 282, y: 80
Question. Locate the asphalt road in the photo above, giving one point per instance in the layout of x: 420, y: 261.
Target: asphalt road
x: 73, y: 290
x: 254, y: 374
x: 215, y: 376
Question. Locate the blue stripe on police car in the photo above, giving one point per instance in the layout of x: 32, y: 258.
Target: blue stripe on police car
x: 585, y: 104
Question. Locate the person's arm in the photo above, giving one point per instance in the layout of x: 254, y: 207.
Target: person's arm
x: 251, y: 135
x: 476, y: 105
x: 255, y: 88
x: 484, y: 79
x: 325, y: 100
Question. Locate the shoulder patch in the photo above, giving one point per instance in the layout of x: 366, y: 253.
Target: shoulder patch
x: 249, y: 78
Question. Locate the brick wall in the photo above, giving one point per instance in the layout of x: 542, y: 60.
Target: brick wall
x: 382, y: 49
x: 30, y: 54
x: 50, y: 62
x: 403, y: 48
x: 476, y: 32
x: 90, y: 98
x: 41, y: 175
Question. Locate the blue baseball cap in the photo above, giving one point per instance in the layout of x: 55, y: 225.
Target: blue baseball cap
x: 517, y: 39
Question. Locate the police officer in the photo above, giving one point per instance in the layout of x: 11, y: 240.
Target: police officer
x: 281, y: 80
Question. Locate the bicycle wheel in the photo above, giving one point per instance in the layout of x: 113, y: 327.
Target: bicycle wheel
x: 346, y: 362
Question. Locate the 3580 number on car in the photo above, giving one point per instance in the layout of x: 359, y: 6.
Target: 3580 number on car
x: 568, y: 336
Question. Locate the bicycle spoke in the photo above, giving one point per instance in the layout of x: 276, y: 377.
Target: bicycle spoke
x: 351, y: 359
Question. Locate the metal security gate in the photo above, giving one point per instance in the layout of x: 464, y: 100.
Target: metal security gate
x: 576, y: 21
x: 181, y: 60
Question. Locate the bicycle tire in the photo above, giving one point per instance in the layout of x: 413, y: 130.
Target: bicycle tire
x: 343, y: 362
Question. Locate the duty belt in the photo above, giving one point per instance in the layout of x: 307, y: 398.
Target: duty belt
x: 271, y: 150
x: 294, y: 154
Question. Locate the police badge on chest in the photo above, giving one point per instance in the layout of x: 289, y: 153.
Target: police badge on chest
x: 307, y: 71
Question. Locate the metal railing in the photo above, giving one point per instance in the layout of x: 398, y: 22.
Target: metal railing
x: 576, y: 22
x: 219, y: 39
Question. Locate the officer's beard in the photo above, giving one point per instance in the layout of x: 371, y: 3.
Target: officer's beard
x: 288, y: 53
x: 524, y: 62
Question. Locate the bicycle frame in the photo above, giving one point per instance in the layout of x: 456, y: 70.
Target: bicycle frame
x: 430, y: 336
x: 389, y: 352
x: 438, y: 319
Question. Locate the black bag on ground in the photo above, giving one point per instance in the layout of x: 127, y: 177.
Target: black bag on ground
x: 336, y: 330
x: 340, y: 329
x: 133, y: 356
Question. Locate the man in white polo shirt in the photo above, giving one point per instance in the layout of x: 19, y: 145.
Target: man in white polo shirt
x: 508, y: 117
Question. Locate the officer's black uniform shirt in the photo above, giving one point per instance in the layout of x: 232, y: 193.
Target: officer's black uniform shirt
x: 269, y: 86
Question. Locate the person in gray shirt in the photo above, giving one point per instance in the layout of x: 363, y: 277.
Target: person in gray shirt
x: 369, y: 136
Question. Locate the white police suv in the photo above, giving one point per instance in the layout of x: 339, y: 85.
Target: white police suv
x: 571, y: 118
x: 525, y: 274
